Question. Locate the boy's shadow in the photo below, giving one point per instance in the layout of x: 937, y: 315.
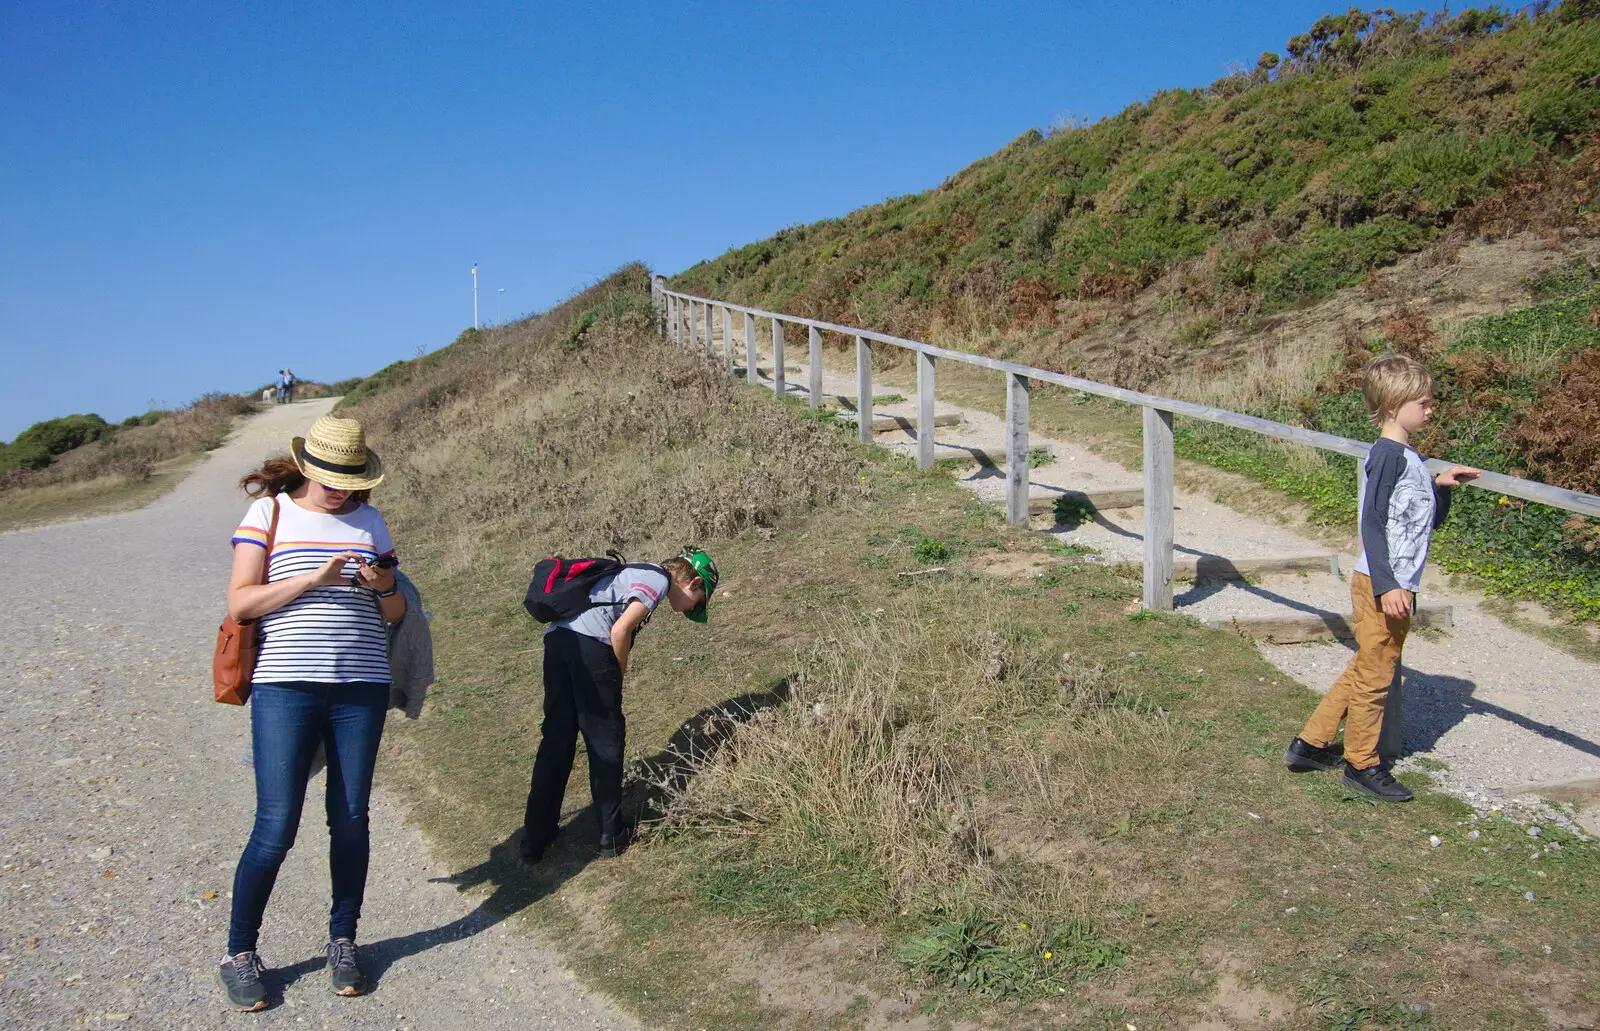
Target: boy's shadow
x: 516, y: 884
x: 1432, y: 704
x: 652, y: 782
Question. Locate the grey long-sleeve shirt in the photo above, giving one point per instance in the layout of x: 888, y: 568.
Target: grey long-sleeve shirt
x: 1400, y: 509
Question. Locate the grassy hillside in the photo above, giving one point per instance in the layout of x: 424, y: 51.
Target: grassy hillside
x: 1263, y: 189
x: 1165, y: 247
x: 985, y: 797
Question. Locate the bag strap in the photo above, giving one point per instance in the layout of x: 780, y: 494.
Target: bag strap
x: 272, y: 537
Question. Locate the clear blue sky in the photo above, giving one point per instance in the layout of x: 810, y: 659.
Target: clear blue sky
x: 193, y: 195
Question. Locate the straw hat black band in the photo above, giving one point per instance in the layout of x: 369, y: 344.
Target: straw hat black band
x: 348, y: 470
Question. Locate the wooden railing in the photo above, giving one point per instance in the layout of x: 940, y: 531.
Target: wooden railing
x: 687, y: 320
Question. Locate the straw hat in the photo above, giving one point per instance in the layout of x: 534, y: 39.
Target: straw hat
x: 334, y: 453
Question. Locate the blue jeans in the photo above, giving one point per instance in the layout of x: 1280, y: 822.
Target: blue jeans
x: 287, y: 722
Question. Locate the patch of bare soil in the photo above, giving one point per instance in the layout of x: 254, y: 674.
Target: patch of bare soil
x: 1163, y: 342
x: 824, y: 975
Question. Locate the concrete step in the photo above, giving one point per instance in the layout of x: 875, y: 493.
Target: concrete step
x: 908, y: 424
x: 1216, y: 567
x: 1303, y: 629
x: 1081, y: 502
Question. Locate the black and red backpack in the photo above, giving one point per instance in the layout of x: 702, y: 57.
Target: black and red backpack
x: 561, y: 587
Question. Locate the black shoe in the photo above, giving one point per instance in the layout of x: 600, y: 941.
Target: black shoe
x: 613, y: 845
x: 343, y: 968
x: 1302, y: 757
x: 1377, y: 782
x: 241, y: 978
x: 532, y: 851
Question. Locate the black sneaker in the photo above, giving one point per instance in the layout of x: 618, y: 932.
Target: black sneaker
x: 342, y: 966
x: 1377, y: 782
x: 612, y: 845
x: 241, y: 978
x: 1302, y: 757
x: 531, y: 851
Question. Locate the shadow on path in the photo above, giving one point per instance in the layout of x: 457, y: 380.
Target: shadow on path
x: 652, y: 782
x: 517, y: 886
x: 1433, y: 704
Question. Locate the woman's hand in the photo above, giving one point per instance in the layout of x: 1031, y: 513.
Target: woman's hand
x: 374, y: 578
x: 332, y: 572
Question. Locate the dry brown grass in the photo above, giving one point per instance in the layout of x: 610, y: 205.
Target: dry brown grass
x: 132, y: 454
x: 608, y: 441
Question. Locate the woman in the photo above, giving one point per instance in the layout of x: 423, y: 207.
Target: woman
x: 323, y: 596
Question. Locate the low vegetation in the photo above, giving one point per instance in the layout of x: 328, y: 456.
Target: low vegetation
x: 874, y: 798
x: 82, y: 465
x: 1163, y: 248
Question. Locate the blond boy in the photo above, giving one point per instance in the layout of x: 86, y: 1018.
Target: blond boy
x: 1401, y: 506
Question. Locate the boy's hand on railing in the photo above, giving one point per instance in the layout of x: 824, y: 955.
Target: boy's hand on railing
x: 1456, y: 475
x: 1397, y: 603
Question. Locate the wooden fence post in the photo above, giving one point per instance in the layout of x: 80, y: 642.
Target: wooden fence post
x: 672, y: 319
x: 778, y: 385
x: 711, y: 330
x: 750, y: 376
x: 864, y: 390
x: 924, y: 410
x: 727, y: 336
x: 814, y: 338
x: 1017, y: 449
x: 1158, y: 469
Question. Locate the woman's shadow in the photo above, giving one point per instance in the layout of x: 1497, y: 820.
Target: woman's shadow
x: 518, y: 885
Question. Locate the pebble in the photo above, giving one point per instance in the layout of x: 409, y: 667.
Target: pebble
x: 1433, y: 839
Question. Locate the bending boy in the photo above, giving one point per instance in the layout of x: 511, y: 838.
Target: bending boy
x: 1399, y: 510
x: 585, y: 663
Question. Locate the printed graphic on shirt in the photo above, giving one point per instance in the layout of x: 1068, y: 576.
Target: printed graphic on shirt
x: 647, y: 584
x: 1400, y: 509
x: 328, y: 635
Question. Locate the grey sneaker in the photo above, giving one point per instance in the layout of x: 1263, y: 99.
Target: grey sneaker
x: 343, y: 968
x: 241, y: 978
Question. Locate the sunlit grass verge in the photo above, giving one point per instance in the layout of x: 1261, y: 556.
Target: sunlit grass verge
x: 22, y: 507
x: 872, y: 797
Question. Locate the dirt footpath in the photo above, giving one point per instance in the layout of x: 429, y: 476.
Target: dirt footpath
x: 1493, y: 714
x: 127, y: 804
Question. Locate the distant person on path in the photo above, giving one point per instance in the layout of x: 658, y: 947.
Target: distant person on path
x: 282, y: 385
x: 288, y: 386
x: 1399, y: 510
x: 322, y: 677
x: 585, y: 664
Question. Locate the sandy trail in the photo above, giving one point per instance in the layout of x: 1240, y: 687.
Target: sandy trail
x: 126, y: 805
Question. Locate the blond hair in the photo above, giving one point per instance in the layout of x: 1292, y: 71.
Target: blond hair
x: 1392, y: 380
x: 680, y: 570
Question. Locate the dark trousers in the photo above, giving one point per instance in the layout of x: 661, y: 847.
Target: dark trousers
x: 582, y: 693
x: 287, y: 722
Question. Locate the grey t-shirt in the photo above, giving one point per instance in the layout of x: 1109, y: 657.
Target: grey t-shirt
x: 647, y: 584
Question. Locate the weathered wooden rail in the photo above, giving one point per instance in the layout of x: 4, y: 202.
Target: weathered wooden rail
x: 688, y: 320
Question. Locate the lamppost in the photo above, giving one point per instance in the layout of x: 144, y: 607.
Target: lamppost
x: 475, y: 296
x: 497, y: 305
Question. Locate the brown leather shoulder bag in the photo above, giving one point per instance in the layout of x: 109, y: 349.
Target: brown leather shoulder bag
x: 234, y: 661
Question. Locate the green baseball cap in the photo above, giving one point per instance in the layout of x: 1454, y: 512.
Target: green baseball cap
x: 707, y: 571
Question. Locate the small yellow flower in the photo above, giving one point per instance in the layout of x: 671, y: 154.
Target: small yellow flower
x: 1023, y: 926
x: 1048, y: 955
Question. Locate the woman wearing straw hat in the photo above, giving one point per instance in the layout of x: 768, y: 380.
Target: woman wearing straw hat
x: 312, y: 561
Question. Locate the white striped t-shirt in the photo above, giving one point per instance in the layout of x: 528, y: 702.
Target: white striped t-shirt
x: 328, y: 635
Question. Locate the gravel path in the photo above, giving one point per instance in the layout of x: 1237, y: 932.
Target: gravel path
x: 1492, y: 712
x: 126, y: 806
